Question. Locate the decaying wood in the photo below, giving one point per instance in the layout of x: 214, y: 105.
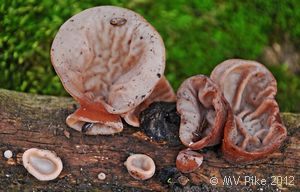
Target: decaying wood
x: 39, y: 121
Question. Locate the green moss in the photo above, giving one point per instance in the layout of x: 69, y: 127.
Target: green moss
x: 198, y: 35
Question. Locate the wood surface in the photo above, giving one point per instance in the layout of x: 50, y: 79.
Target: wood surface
x: 28, y: 121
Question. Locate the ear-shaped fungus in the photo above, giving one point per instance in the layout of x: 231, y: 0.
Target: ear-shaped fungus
x: 42, y: 164
x: 109, y: 59
x: 203, y: 112
x: 257, y: 129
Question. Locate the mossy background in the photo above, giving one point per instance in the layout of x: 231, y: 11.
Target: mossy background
x: 197, y: 34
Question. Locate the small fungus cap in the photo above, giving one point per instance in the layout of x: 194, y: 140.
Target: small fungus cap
x: 188, y: 161
x: 8, y: 154
x: 42, y: 164
x: 108, y: 55
x: 140, y: 166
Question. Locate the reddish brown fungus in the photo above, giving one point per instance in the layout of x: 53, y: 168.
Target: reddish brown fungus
x: 105, y: 66
x: 255, y: 129
x: 203, y: 112
x: 188, y: 161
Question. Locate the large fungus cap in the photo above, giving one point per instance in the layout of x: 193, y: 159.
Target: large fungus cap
x: 140, y: 166
x: 42, y: 164
x: 203, y: 112
x: 250, y: 89
x: 108, y: 57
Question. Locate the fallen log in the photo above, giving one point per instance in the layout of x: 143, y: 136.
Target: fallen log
x: 28, y: 121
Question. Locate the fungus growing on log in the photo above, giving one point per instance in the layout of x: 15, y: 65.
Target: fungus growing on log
x: 203, y: 112
x: 140, y: 166
x: 42, y: 164
x: 188, y: 161
x: 257, y: 129
x: 110, y: 60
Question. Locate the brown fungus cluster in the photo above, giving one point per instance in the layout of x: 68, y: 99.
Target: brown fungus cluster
x: 112, y: 61
x: 237, y: 105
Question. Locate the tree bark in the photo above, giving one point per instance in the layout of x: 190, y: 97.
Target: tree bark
x: 28, y: 121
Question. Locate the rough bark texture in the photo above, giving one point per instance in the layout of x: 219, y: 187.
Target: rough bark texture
x: 39, y: 121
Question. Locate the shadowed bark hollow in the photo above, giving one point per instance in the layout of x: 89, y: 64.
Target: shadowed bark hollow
x: 28, y: 121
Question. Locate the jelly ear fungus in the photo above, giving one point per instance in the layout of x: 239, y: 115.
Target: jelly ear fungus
x: 110, y: 60
x: 256, y: 129
x: 203, y: 112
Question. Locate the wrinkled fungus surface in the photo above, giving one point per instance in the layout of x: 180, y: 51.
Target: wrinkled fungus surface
x: 42, y: 164
x: 161, y: 122
x: 203, y: 112
x: 256, y: 129
x: 110, y: 60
